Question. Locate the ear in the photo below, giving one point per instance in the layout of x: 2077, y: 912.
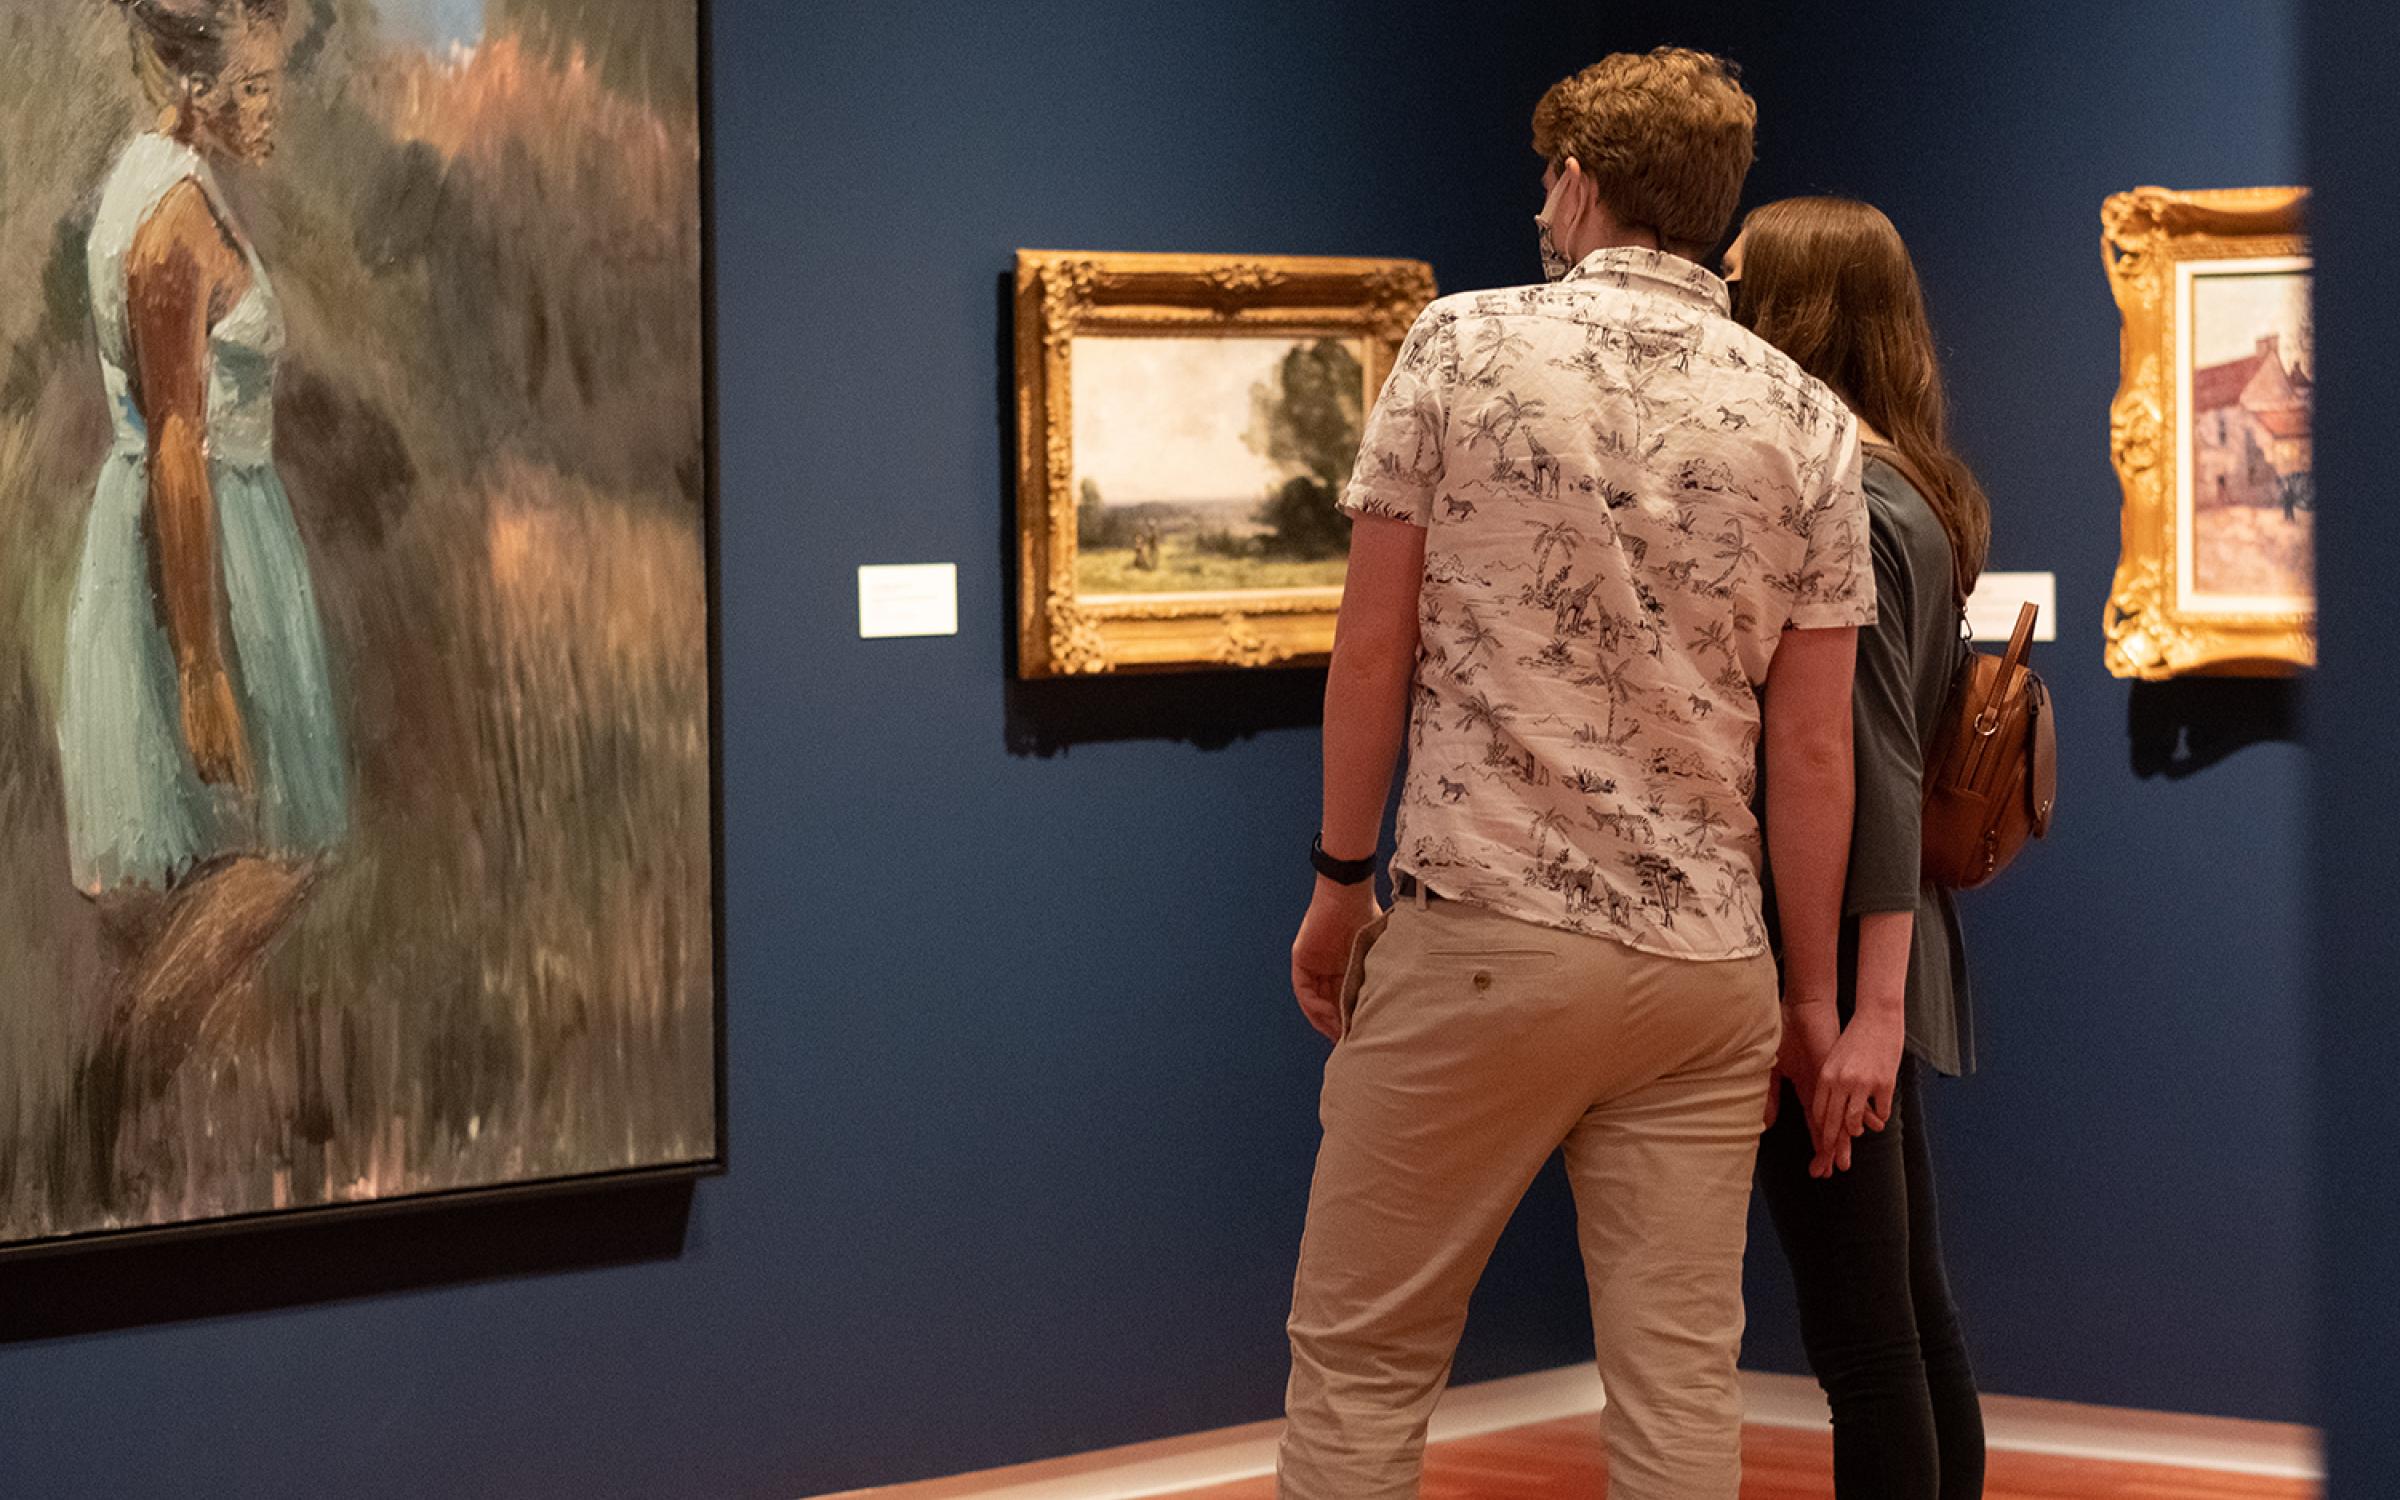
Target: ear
x: 1577, y: 196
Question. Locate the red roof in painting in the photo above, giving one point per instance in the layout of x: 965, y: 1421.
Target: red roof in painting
x: 2285, y: 422
x: 2222, y: 385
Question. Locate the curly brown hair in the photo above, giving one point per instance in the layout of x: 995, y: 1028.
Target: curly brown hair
x: 1666, y: 137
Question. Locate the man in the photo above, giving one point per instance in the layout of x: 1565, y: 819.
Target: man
x: 1603, y: 539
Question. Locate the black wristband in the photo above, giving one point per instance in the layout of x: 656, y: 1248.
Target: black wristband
x: 1340, y: 871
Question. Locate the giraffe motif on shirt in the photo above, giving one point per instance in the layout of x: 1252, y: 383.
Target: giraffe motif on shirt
x: 1545, y: 468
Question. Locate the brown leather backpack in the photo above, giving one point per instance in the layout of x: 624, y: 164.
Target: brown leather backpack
x: 1993, y: 775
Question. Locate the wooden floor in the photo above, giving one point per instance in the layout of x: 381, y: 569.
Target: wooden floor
x: 1561, y: 1459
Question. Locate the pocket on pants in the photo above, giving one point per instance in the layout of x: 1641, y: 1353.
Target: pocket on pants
x: 1507, y: 961
x: 1354, y: 978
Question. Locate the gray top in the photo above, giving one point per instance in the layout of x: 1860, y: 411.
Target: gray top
x: 1906, y: 661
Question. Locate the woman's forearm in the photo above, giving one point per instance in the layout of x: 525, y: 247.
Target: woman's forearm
x: 1883, y: 943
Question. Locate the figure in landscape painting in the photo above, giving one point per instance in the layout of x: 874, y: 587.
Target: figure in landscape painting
x: 197, y: 803
x: 355, y: 794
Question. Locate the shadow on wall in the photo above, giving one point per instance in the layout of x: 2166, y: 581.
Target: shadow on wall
x: 405, y: 1247
x: 1210, y: 710
x: 2182, y: 727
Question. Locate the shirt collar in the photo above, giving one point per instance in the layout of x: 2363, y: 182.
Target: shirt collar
x: 1655, y: 271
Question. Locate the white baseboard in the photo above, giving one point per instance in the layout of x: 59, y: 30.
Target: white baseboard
x: 2011, y: 1424
x: 2112, y: 1434
x: 1173, y: 1465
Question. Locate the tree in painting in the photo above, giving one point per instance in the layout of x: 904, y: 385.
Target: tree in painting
x: 354, y: 788
x: 1309, y: 420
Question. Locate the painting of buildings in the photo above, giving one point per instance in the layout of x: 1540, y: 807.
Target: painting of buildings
x: 2252, y: 502
x: 2251, y: 419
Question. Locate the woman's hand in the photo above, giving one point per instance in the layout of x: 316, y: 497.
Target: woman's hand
x: 1321, y: 954
x: 1854, y: 1088
x: 212, y: 728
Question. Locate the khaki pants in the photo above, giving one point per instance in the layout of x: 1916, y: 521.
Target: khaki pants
x: 1476, y: 1045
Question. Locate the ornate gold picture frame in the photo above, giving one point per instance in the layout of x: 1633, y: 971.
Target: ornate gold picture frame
x: 1182, y: 517
x: 2211, y: 433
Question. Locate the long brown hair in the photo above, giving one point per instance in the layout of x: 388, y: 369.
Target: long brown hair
x: 1828, y: 281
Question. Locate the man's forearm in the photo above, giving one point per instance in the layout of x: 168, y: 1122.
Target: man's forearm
x: 1366, y: 715
x: 1809, y: 797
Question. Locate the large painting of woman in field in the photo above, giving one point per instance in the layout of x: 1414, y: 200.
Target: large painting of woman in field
x: 354, y: 726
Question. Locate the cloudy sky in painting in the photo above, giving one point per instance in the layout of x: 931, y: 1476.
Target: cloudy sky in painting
x: 2231, y: 313
x: 1161, y: 419
x: 435, y: 23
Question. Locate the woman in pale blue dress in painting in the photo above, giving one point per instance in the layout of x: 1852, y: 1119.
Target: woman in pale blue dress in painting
x: 204, y: 767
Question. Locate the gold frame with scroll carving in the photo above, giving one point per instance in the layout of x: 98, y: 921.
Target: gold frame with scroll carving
x: 1063, y: 294
x: 2153, y: 632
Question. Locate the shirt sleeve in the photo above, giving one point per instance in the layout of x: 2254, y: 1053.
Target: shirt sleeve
x: 1400, y: 453
x: 1887, y: 830
x: 1837, y: 577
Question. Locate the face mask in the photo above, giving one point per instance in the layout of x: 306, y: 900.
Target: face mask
x: 1555, y: 264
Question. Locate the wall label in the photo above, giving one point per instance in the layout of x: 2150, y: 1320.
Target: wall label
x: 1998, y: 597
x: 913, y: 599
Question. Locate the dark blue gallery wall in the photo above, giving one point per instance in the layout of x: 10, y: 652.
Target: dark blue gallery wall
x: 2124, y: 1185
x: 2353, y: 138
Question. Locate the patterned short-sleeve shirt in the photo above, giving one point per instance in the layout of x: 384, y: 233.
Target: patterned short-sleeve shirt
x: 1627, y: 499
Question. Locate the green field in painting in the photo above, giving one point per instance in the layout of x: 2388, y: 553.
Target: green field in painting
x: 1182, y: 567
x: 489, y: 421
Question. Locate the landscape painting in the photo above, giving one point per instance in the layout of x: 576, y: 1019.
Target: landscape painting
x: 1213, y: 463
x: 1185, y: 426
x: 356, y: 788
x: 2250, y: 509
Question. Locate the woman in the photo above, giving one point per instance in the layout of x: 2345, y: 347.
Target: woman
x: 1829, y: 282
x: 203, y: 767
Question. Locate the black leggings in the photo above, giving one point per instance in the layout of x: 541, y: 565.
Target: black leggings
x: 1875, y: 1310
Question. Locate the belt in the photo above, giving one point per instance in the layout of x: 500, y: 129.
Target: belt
x: 1407, y: 888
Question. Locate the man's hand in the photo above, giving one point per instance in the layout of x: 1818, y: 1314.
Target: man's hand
x: 1321, y: 954
x: 1810, y: 1030
x: 1854, y: 1088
